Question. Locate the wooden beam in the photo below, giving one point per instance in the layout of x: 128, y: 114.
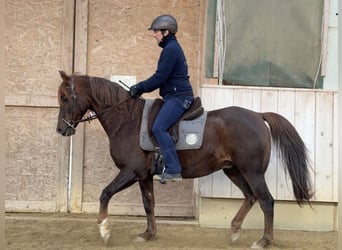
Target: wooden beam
x: 325, y: 28
x: 63, y: 142
x: 3, y: 125
x: 80, y: 66
x: 339, y: 246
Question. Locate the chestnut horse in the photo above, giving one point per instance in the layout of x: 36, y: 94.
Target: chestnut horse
x: 235, y: 140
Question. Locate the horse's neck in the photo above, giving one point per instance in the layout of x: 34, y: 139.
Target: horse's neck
x: 115, y: 118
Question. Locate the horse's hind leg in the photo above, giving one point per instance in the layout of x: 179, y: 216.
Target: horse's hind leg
x: 146, y: 188
x: 124, y: 179
x: 266, y: 201
x: 237, y: 178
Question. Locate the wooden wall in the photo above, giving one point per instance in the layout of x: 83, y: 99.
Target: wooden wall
x: 101, y: 38
x: 36, y: 162
x: 120, y: 44
x: 312, y: 112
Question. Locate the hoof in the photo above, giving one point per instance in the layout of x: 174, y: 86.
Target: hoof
x: 235, y: 236
x: 140, y: 238
x: 255, y: 245
x: 104, y: 230
x: 143, y: 237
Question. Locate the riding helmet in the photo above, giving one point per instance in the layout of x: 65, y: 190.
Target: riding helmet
x: 165, y: 22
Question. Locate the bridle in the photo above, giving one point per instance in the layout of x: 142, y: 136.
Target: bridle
x: 72, y: 124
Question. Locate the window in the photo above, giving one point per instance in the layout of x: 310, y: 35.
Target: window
x: 265, y: 42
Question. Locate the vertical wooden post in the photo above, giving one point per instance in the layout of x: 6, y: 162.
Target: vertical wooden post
x: 64, y: 142
x: 325, y: 28
x: 2, y: 126
x: 340, y: 131
x: 80, y: 66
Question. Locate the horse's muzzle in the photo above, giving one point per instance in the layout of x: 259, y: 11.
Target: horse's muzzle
x: 66, y: 131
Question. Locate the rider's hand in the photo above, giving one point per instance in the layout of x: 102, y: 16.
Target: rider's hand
x: 90, y: 114
x: 136, y: 90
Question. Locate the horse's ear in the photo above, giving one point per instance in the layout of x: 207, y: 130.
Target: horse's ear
x: 64, y: 76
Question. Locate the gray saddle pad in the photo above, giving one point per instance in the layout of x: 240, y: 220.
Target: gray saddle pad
x: 190, y: 132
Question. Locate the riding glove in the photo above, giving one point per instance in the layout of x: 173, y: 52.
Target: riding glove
x: 136, y: 90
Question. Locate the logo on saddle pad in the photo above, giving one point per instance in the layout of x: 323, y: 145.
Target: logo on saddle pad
x: 188, y: 132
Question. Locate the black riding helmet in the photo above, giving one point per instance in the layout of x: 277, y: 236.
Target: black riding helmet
x: 164, y: 22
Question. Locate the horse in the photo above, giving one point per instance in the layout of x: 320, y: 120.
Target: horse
x: 235, y: 140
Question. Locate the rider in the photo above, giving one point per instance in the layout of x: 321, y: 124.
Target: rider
x: 171, y: 77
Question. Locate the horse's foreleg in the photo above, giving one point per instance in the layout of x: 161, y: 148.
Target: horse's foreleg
x: 124, y: 179
x: 146, y: 188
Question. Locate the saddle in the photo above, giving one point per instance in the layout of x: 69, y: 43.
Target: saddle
x: 193, y: 112
x: 187, y: 132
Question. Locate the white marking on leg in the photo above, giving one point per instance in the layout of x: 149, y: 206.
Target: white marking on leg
x: 104, y: 230
x: 140, y: 239
x: 255, y: 245
x: 235, y: 236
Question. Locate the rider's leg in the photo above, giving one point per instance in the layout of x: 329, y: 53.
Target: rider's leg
x: 169, y: 114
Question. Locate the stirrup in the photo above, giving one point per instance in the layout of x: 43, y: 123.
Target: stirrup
x: 158, y: 166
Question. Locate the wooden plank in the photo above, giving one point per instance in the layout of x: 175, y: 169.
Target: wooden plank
x: 205, y: 183
x: 32, y: 206
x: 324, y: 151
x: 221, y: 185
x: 3, y: 146
x: 205, y: 186
x: 286, y: 108
x: 64, y: 143
x: 80, y: 66
x: 28, y: 100
x: 335, y: 148
x: 223, y: 99
x: 208, y: 97
x: 305, y: 122
x: 121, y: 208
x: 325, y: 36
x: 81, y: 34
x: 62, y: 173
x: 269, y: 103
x: 339, y: 135
x: 68, y: 36
x: 256, y: 100
x: 243, y: 97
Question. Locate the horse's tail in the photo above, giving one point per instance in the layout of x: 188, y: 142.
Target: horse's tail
x: 293, y: 152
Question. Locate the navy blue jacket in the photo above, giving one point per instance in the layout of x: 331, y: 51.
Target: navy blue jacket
x: 171, y: 76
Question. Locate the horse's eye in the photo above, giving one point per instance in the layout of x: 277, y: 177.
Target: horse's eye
x: 64, y: 99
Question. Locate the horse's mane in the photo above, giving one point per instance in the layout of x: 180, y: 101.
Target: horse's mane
x: 106, y: 92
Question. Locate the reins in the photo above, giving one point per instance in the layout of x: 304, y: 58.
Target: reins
x: 72, y: 123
